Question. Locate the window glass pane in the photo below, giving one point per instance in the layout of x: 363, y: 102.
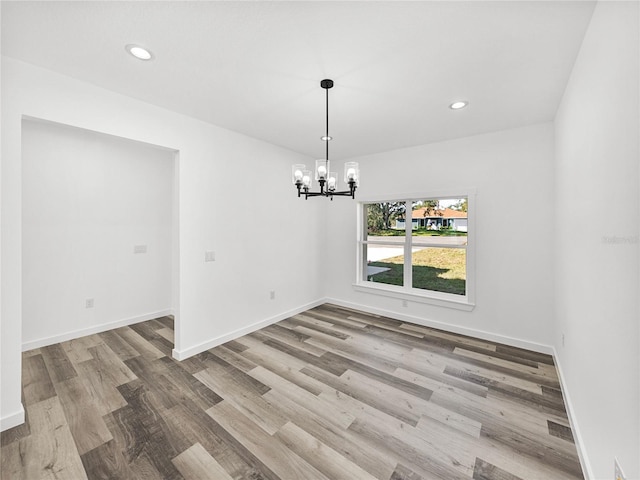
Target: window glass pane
x: 385, y: 221
x: 440, y: 269
x: 385, y: 264
x: 442, y: 220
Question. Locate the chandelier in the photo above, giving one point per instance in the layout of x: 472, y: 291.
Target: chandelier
x: 327, y: 180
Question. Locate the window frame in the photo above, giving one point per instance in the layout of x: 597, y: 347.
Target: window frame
x: 407, y: 292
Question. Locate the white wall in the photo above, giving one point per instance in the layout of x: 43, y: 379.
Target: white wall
x: 512, y: 172
x: 87, y: 199
x: 597, y: 190
x: 235, y: 198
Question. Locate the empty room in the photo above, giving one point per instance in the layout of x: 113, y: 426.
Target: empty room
x: 282, y: 240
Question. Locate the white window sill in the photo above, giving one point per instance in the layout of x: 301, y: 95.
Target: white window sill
x: 446, y: 300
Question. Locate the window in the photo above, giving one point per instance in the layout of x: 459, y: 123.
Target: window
x: 418, y: 249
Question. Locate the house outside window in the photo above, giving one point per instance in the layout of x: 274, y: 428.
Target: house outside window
x: 418, y: 248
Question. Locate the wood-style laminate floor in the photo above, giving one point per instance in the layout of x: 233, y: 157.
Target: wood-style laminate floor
x: 328, y: 394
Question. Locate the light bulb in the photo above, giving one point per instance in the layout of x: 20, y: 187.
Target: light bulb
x: 306, y: 180
x: 458, y: 105
x: 322, y: 171
x: 332, y: 183
x: 139, y: 52
x: 298, y: 175
x: 351, y: 174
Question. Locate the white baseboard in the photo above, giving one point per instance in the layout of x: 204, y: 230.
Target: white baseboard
x: 471, y: 332
x: 12, y: 420
x: 63, y: 337
x: 214, y: 342
x: 573, y: 422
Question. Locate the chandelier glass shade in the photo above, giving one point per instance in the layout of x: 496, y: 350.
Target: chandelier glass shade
x: 327, y: 179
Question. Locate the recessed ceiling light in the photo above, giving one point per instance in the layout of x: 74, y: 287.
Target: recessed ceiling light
x: 139, y: 52
x: 458, y: 105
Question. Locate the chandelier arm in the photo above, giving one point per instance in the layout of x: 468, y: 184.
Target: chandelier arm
x: 343, y: 193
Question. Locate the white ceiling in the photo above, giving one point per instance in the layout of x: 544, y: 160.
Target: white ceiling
x: 255, y: 67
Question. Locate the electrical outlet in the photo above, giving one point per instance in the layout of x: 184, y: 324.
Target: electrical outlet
x: 405, y: 304
x: 209, y: 256
x: 272, y: 294
x: 563, y: 339
x: 618, y: 470
x: 88, y: 303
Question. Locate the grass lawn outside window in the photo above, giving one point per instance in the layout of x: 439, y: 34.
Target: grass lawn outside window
x: 437, y: 269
